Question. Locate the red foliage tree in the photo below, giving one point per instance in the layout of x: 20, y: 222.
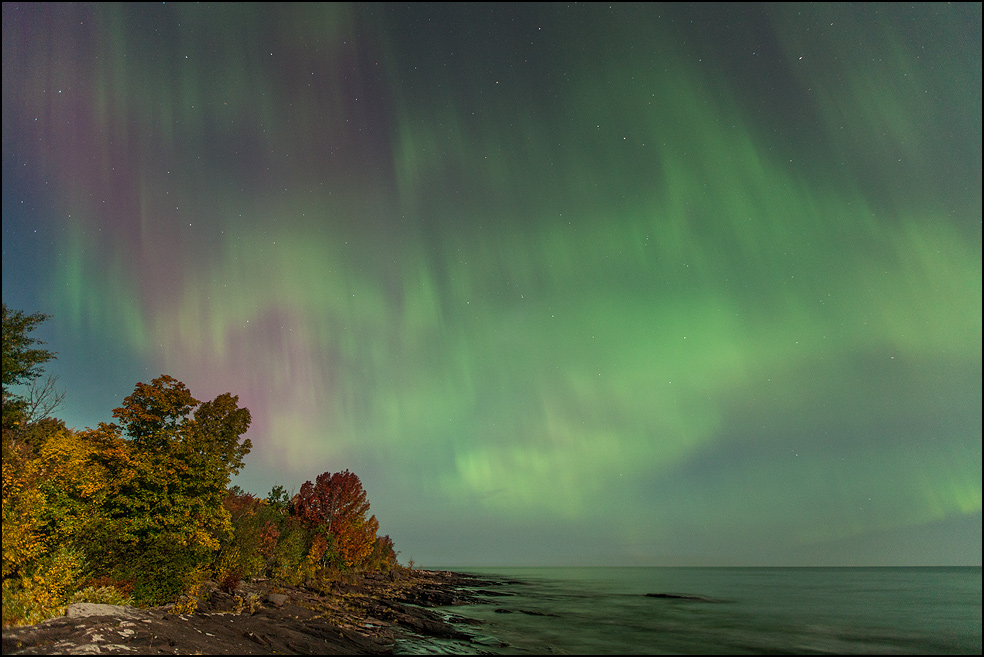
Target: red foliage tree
x: 338, y: 502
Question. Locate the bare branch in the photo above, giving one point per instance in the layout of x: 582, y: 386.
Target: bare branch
x: 42, y: 399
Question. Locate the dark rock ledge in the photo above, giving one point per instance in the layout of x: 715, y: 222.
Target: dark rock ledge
x: 680, y: 596
x: 259, y: 618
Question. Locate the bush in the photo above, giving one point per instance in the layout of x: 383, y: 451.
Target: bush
x: 250, y: 549
x: 46, y: 592
x: 289, y: 563
x: 104, y: 595
x: 160, y: 570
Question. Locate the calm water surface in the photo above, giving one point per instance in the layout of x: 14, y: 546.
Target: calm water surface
x: 725, y: 611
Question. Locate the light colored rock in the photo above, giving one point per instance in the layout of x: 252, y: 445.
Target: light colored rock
x: 276, y: 599
x: 98, y: 650
x: 83, y: 609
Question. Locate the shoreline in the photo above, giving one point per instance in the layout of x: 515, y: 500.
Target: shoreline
x: 366, y: 616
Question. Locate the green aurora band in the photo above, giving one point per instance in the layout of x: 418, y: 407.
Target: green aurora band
x: 579, y: 283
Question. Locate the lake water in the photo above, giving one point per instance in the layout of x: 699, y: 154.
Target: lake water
x: 722, y: 611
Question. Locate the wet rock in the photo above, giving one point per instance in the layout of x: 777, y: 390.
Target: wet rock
x: 528, y: 612
x: 677, y: 596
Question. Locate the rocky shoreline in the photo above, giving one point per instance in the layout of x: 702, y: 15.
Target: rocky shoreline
x: 370, y: 616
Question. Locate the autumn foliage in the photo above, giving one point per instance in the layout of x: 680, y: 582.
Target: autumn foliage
x: 336, y: 504
x: 141, y: 511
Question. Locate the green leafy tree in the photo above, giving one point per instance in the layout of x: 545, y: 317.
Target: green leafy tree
x: 383, y: 555
x: 289, y: 563
x: 170, y: 460
x: 279, y: 499
x: 250, y: 549
x: 22, y: 361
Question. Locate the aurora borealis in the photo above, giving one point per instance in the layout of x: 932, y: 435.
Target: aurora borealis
x: 564, y: 284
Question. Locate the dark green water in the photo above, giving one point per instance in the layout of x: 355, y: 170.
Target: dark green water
x: 725, y: 611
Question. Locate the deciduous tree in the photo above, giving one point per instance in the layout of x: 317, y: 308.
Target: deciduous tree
x: 338, y: 502
x: 170, y: 459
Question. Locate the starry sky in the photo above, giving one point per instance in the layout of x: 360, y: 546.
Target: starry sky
x: 564, y: 284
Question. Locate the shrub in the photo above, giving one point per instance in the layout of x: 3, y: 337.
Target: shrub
x: 289, y: 563
x: 46, y: 592
x: 250, y: 549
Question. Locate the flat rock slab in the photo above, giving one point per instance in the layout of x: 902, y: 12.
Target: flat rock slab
x: 198, y: 633
x: 84, y: 609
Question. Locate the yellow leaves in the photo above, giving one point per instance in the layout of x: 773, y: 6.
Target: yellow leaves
x: 199, y: 537
x: 68, y: 459
x: 48, y: 500
x: 23, y: 517
x: 186, y: 604
x: 155, y: 498
x: 44, y: 594
x: 22, y: 546
x: 318, y: 548
x: 249, y: 604
x: 188, y: 600
x: 59, y: 577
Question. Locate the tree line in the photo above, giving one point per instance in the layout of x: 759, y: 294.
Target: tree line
x: 141, y: 511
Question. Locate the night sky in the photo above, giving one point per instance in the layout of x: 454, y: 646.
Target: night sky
x: 563, y: 284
